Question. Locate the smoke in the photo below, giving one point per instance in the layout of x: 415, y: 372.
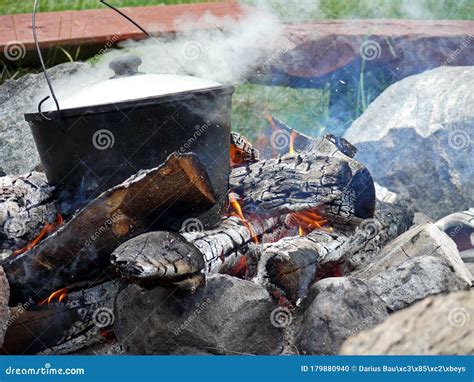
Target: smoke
x: 226, y: 52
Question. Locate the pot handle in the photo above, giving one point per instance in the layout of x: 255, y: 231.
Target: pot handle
x: 43, y: 66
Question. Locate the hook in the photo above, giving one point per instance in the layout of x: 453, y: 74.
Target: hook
x: 40, y: 56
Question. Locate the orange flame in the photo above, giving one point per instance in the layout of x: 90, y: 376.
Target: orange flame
x: 45, y: 231
x: 307, y: 221
x: 238, y: 211
x: 292, y: 142
x: 300, y: 231
x: 60, y: 295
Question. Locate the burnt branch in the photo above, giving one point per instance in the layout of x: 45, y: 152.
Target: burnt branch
x: 26, y: 206
x: 61, y: 328
x: 80, y: 250
x: 290, y: 183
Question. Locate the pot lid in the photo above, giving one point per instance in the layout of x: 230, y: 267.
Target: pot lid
x: 128, y: 84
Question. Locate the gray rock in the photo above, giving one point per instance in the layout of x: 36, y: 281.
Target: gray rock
x: 4, y: 309
x: 460, y: 228
x: 17, y: 149
x: 435, y: 325
x: 227, y: 316
x: 425, y: 239
x: 416, y: 140
x: 339, y: 307
x: 415, y: 279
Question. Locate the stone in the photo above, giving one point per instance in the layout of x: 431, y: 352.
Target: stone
x: 5, y: 320
x: 460, y: 228
x: 436, y: 325
x: 226, y: 316
x: 17, y: 148
x: 338, y: 308
x: 415, y: 279
x: 416, y: 140
x: 425, y: 239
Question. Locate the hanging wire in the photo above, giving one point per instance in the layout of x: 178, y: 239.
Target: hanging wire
x: 40, y: 56
x: 146, y: 33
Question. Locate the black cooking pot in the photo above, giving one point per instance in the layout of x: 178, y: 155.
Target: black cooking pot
x: 108, y: 131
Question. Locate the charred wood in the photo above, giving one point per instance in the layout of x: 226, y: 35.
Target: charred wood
x: 26, y: 206
x: 290, y: 183
x: 60, y: 328
x: 166, y: 258
x: 357, y: 200
x: 242, y: 151
x: 80, y: 249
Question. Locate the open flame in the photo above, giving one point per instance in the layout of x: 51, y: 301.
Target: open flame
x: 292, y: 142
x: 307, y: 221
x: 60, y: 295
x: 238, y: 211
x: 45, y: 231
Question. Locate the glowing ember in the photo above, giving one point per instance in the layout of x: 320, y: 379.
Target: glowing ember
x: 241, y: 268
x: 238, y: 211
x: 237, y: 156
x: 307, y: 221
x: 47, y: 230
x: 300, y: 231
x: 60, y: 295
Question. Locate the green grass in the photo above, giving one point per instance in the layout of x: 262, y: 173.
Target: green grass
x: 22, y: 6
x: 288, y: 9
x: 303, y: 109
x: 291, y: 10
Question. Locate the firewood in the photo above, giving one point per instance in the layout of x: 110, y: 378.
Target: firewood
x: 61, y: 327
x: 80, y: 250
x: 242, y: 151
x: 167, y: 258
x: 290, y: 183
x: 26, y: 206
x: 357, y: 200
x: 291, y: 264
x: 156, y: 258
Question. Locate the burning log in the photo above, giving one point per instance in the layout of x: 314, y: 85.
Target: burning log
x: 26, y: 206
x: 80, y: 250
x: 357, y: 199
x: 158, y: 258
x: 290, y: 183
x: 61, y: 327
x: 290, y: 265
x: 241, y: 151
x: 165, y: 257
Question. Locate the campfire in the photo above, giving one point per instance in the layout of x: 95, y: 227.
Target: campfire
x: 294, y: 214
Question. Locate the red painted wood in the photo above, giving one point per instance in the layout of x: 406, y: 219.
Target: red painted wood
x: 97, y: 26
